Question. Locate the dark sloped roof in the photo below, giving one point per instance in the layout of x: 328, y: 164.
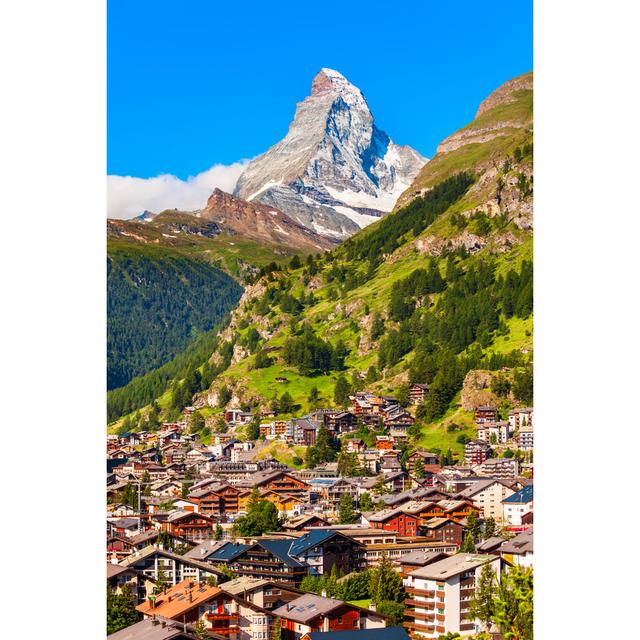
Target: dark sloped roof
x: 385, y: 633
x: 228, y: 552
x: 280, y: 549
x: 524, y: 495
x: 311, y: 540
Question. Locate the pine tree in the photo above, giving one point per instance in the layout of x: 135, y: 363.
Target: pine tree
x: 473, y: 526
x: 489, y: 528
x: 346, y: 509
x: 514, y: 604
x: 482, y: 606
x: 121, y: 609
x: 341, y: 392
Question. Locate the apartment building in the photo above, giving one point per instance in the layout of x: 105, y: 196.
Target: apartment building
x: 440, y: 593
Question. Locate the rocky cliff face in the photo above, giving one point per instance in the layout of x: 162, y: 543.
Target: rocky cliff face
x: 335, y: 171
x: 260, y: 222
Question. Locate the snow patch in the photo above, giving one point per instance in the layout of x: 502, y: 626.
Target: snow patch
x: 264, y: 187
x: 360, y: 219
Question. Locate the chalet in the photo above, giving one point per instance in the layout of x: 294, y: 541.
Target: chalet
x: 278, y: 481
x: 443, y: 530
x: 476, y: 452
x: 394, y: 414
x: 223, y: 614
x: 216, y: 499
x: 404, y: 524
x: 458, y: 510
x: 263, y: 593
x: 384, y: 443
x: 355, y: 445
x: 485, y: 414
x: 304, y: 431
x: 118, y: 547
x: 322, y: 549
x: 440, y: 593
x: 173, y: 568
x: 525, y: 437
x: 304, y: 521
x: 428, y: 460
x: 267, y: 558
x: 189, y: 525
x: 339, y: 421
x: 373, y: 553
x: 418, y: 392
x: 311, y: 612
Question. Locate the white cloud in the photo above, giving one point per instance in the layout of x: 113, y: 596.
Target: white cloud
x: 128, y: 196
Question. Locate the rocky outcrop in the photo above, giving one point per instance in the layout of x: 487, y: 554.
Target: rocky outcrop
x: 506, y: 93
x: 476, y: 390
x: 260, y: 222
x: 335, y: 171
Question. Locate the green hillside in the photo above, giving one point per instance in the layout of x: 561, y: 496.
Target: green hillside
x: 441, y: 287
x: 158, y: 299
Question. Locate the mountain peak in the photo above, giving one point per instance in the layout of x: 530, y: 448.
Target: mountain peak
x: 328, y: 80
x: 335, y: 171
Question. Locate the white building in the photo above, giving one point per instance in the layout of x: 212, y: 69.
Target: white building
x: 517, y: 505
x: 488, y: 495
x: 440, y: 593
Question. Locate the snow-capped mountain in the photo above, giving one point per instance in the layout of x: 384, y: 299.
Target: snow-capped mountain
x: 335, y: 171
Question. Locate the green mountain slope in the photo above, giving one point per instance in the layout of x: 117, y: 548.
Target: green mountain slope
x: 157, y: 300
x: 438, y: 290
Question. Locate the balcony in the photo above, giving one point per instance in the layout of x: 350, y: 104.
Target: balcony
x: 420, y: 592
x: 221, y: 616
x: 224, y: 631
x: 418, y: 603
x: 417, y: 626
x: 419, y: 616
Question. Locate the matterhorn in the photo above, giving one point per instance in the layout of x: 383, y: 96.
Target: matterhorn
x: 335, y: 171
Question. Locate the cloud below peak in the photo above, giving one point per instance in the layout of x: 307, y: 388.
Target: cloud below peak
x: 128, y: 196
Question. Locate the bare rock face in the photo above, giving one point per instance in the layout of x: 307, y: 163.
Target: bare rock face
x: 506, y: 93
x: 476, y: 390
x: 335, y: 171
x: 260, y: 222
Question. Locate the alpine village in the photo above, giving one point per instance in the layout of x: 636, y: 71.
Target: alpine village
x: 320, y: 389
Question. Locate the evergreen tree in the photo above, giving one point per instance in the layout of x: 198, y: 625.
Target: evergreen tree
x: 346, y: 509
x: 262, y: 516
x: 366, y: 503
x: 489, y: 528
x: 482, y: 605
x: 314, y: 394
x: 385, y: 584
x: 121, y: 609
x: 514, y: 604
x: 473, y: 526
x: 341, y: 392
x: 285, y: 404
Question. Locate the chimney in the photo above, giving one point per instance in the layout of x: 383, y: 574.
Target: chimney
x: 164, y: 623
x: 154, y: 620
x: 324, y: 593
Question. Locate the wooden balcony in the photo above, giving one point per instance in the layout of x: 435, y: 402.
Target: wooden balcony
x: 423, y: 604
x: 224, y: 631
x: 221, y: 616
x: 440, y: 617
x: 417, y: 615
x: 420, y: 592
x: 417, y: 626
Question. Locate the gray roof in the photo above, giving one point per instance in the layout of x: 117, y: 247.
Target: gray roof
x: 451, y: 566
x: 307, y: 607
x: 150, y: 629
x: 522, y: 543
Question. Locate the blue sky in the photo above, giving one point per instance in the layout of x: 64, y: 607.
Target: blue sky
x: 193, y: 83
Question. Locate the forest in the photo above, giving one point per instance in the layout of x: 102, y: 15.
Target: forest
x: 156, y: 305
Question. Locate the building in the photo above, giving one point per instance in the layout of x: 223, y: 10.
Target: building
x: 418, y: 392
x: 311, y: 612
x: 223, y: 614
x: 485, y: 414
x: 156, y: 628
x: 387, y: 633
x: 518, y: 505
x: 476, y: 452
x: 488, y: 495
x: 440, y: 593
x: 153, y: 562
x: 518, y: 418
x: 495, y: 432
x: 443, y: 530
x: 397, y: 520
x: 519, y: 550
x: 525, y: 437
x: 500, y: 468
